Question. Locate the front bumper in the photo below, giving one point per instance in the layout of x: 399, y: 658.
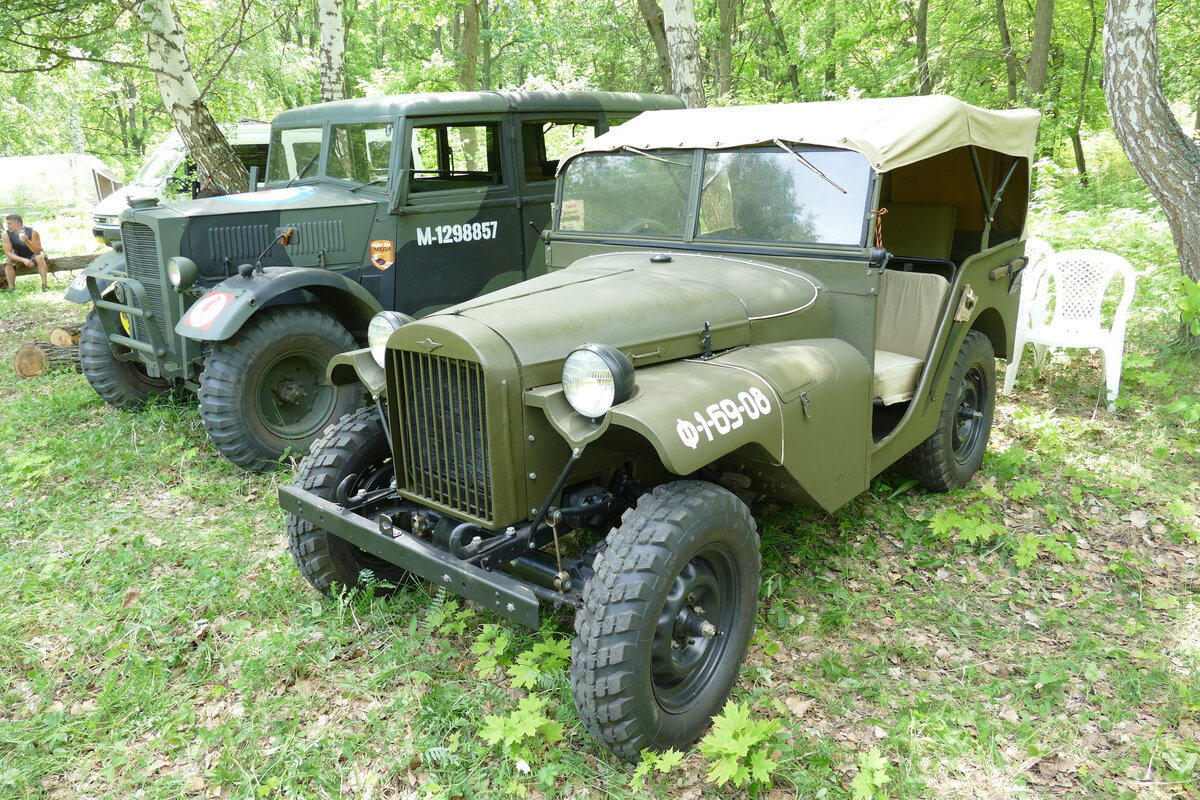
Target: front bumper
x: 502, y: 593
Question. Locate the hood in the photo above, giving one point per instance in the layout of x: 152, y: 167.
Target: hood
x: 289, y: 198
x: 113, y: 204
x: 653, y: 306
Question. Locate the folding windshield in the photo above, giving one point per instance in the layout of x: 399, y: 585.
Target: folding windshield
x: 776, y: 193
x: 785, y: 193
x: 627, y: 193
x: 360, y: 152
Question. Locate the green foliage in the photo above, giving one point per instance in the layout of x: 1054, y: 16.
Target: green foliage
x: 524, y: 731
x: 872, y: 776
x: 541, y: 663
x: 739, y: 749
x: 652, y: 762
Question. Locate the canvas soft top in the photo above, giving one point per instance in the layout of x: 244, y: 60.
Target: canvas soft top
x: 891, y: 131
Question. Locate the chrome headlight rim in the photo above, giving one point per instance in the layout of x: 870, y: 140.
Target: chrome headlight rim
x: 596, y: 377
x: 181, y: 272
x: 380, y: 329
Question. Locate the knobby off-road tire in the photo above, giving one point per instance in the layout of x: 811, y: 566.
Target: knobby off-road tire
x: 122, y: 384
x: 951, y: 456
x: 263, y: 392
x: 355, y: 445
x: 643, y: 672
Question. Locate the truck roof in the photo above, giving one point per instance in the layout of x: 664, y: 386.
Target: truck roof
x: 890, y: 131
x: 491, y: 101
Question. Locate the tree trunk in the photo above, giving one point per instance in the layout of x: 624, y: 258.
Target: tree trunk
x: 65, y: 335
x: 332, y: 52
x: 925, y: 83
x: 1165, y: 158
x: 782, y: 47
x: 653, y: 15
x: 727, y: 19
x: 1010, y: 57
x: 1076, y: 141
x: 1039, y: 51
x: 60, y: 264
x: 831, y: 28
x: 468, y: 73
x: 683, y: 46
x: 218, y: 167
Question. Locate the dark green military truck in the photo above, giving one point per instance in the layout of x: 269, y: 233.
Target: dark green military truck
x: 770, y: 301
x: 409, y: 203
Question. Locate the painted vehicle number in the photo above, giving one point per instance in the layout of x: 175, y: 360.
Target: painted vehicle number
x: 453, y: 234
x: 723, y: 416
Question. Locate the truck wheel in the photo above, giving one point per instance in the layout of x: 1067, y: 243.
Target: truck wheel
x: 950, y: 457
x: 666, y: 619
x: 122, y: 384
x: 354, y: 446
x: 264, y: 390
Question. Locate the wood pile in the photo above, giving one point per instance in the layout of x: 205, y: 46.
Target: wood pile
x: 61, y: 352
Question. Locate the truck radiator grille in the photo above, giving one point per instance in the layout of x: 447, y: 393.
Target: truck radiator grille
x: 141, y: 262
x: 443, y: 437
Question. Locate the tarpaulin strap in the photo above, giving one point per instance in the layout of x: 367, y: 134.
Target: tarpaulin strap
x: 879, y: 226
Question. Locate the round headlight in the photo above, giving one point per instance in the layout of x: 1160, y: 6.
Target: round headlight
x: 181, y: 271
x: 381, y: 327
x: 595, y: 378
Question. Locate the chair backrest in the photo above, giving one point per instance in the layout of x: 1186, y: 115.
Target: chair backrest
x: 910, y: 307
x: 1078, y: 281
x: 1037, y: 249
x: 925, y: 231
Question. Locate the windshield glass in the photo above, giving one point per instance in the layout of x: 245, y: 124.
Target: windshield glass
x: 627, y: 192
x: 160, y: 166
x: 293, y: 155
x: 795, y: 195
x: 360, y: 152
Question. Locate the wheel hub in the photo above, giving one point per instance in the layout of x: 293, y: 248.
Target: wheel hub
x: 289, y: 392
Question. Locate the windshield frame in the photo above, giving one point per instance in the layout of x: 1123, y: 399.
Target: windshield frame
x: 692, y: 236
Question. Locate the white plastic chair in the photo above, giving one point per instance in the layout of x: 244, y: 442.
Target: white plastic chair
x: 1076, y: 282
x: 1035, y: 250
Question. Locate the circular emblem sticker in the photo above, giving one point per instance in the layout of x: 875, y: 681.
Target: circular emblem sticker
x: 207, y: 309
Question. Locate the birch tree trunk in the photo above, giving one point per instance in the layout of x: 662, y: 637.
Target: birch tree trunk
x: 1153, y: 141
x: 218, y: 167
x: 683, y: 46
x: 332, y: 50
x: 653, y: 14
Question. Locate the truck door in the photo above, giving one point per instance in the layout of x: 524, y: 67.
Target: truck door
x: 459, y: 229
x: 543, y: 139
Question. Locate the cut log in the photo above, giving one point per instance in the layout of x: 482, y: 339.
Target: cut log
x: 64, y: 336
x: 37, y: 358
x: 60, y: 264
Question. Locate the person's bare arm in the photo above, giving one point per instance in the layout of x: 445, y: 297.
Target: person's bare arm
x: 34, y: 243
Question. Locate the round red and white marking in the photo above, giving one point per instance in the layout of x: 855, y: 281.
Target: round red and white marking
x: 208, y: 309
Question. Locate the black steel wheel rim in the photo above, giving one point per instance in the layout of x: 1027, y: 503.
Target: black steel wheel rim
x: 683, y: 660
x: 971, y: 408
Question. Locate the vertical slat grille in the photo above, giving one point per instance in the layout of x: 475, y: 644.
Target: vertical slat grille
x: 443, y: 436
x: 141, y: 262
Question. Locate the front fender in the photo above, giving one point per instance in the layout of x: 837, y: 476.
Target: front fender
x: 357, y: 366
x: 105, y: 264
x: 222, y: 311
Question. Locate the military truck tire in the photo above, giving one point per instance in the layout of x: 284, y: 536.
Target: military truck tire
x: 354, y: 446
x: 643, y: 671
x: 951, y: 456
x: 122, y: 384
x: 264, y: 392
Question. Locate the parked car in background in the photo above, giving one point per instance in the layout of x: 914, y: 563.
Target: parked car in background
x: 777, y: 301
x: 169, y: 174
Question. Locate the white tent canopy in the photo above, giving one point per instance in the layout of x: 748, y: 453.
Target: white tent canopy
x: 54, y: 182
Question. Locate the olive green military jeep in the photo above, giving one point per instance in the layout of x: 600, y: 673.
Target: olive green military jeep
x: 408, y: 203
x: 761, y: 301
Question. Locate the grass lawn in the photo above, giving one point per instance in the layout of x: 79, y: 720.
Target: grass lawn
x: 1036, y: 634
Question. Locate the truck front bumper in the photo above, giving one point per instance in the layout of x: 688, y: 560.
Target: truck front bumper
x: 502, y: 593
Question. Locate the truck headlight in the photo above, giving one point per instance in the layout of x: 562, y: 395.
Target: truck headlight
x: 182, y: 272
x: 381, y: 327
x: 595, y: 378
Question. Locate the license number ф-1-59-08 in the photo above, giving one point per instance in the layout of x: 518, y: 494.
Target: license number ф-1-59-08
x: 453, y: 234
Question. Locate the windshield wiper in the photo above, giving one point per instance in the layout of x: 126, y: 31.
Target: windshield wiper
x: 304, y: 171
x: 810, y: 165
x: 375, y: 182
x: 651, y: 155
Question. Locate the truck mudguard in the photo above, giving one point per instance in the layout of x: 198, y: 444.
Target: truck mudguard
x: 77, y: 292
x: 222, y: 311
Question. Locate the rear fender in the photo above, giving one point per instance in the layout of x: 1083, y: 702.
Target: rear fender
x: 224, y: 309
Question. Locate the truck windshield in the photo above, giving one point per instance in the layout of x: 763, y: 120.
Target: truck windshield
x: 160, y: 166
x: 785, y: 194
x: 360, y: 152
x: 293, y: 155
x: 627, y: 192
